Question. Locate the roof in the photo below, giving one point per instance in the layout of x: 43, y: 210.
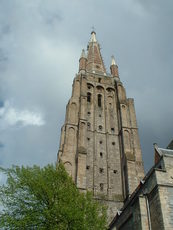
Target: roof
x: 166, y: 151
x: 161, y: 152
x: 170, y: 146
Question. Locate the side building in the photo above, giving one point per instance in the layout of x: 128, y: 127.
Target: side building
x: 99, y: 143
x: 151, y: 204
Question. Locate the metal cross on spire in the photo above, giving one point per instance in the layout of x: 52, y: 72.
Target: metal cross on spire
x: 93, y: 29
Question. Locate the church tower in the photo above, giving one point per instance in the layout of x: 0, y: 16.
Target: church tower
x: 99, y: 143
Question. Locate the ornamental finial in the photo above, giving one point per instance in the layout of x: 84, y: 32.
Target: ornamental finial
x: 113, y: 62
x: 93, y: 35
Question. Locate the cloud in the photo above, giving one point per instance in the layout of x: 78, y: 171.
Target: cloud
x: 11, y: 116
x: 40, y: 44
x: 1, y: 145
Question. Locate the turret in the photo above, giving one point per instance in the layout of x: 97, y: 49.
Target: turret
x: 82, y: 62
x: 114, y: 68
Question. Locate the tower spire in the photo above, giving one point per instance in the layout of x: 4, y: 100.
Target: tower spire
x: 95, y: 62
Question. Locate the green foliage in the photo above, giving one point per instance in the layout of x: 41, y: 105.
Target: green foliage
x: 47, y: 198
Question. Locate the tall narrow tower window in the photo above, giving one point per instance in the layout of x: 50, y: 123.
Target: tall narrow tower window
x: 99, y: 100
x: 88, y: 97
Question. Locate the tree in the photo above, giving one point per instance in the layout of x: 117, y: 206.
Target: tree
x: 47, y: 198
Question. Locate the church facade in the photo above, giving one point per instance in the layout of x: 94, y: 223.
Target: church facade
x: 99, y: 144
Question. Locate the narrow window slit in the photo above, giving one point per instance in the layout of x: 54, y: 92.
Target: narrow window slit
x: 88, y: 97
x: 100, y: 127
x: 101, y: 170
x: 99, y: 100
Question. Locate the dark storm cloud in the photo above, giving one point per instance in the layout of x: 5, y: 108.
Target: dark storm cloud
x: 40, y: 44
x: 155, y: 113
x: 1, y: 103
x: 1, y: 145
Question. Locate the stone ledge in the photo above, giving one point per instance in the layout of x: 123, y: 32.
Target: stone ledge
x: 82, y: 150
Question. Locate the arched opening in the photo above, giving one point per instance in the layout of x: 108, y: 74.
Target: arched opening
x: 89, y: 86
x: 127, y: 140
x: 99, y: 100
x: 72, y: 112
x: 88, y: 97
x: 110, y: 90
x: 100, y: 88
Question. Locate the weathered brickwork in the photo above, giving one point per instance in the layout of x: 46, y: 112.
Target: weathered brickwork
x: 99, y: 141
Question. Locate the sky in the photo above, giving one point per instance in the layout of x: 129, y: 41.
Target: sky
x: 40, y: 46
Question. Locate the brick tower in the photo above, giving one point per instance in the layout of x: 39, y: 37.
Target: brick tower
x: 99, y: 141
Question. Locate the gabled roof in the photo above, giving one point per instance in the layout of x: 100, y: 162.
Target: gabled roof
x: 170, y: 146
x: 166, y: 151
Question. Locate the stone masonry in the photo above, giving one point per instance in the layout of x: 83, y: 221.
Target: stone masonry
x: 99, y: 143
x: 151, y: 204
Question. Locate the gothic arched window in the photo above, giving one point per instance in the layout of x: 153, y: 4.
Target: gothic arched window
x: 99, y: 100
x: 88, y: 97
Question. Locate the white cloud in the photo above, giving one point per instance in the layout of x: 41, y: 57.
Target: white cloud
x: 11, y: 116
